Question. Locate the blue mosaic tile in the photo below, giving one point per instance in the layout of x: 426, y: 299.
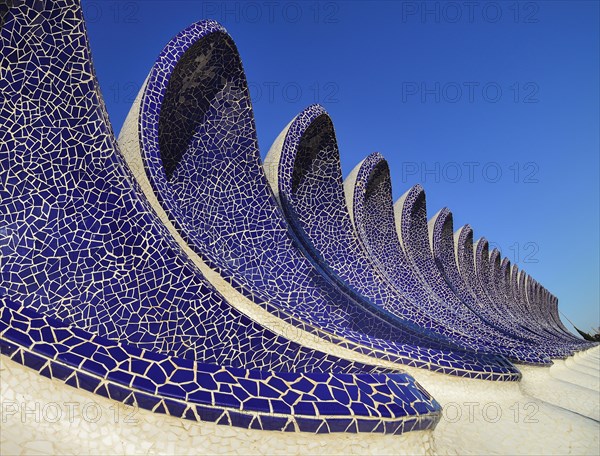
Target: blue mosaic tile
x: 485, y: 275
x: 98, y: 287
x: 455, y: 255
x: 96, y: 292
x: 306, y: 176
x: 200, y: 153
x: 397, y: 395
x: 443, y: 245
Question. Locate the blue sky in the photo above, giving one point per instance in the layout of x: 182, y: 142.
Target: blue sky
x: 492, y: 106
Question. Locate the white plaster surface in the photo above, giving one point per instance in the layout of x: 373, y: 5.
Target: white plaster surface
x: 579, y: 366
x: 480, y: 417
x: 539, y: 383
x: 562, y: 371
x: 271, y: 162
x: 349, y: 185
x: 514, y: 418
x: 588, y: 362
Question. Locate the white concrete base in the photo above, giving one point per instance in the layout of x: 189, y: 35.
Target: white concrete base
x: 539, y: 383
x: 580, y: 365
x: 479, y: 418
x: 502, y: 418
x: 562, y: 371
x: 572, y: 383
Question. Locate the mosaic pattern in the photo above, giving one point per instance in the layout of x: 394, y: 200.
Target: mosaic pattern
x: 552, y: 308
x: 467, y: 257
x: 97, y: 291
x: 82, y: 244
x: 464, y: 254
x: 369, y: 186
x: 195, y: 116
x: 309, y: 402
x: 310, y: 190
x: 103, y: 297
x: 499, y: 270
x: 539, y: 309
x: 487, y: 266
x: 443, y: 246
x: 373, y: 212
x: 411, y: 215
x: 304, y: 171
x: 410, y: 256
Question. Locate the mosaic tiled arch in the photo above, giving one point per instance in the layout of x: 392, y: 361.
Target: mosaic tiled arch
x: 465, y: 261
x: 217, y: 196
x: 494, y: 283
x: 96, y: 292
x: 552, y: 306
x: 514, y: 289
x: 414, y: 234
x: 488, y: 267
x: 443, y: 246
x: 450, y: 258
x: 416, y: 239
x: 309, y: 187
x: 308, y: 184
x: 499, y: 270
x: 544, y: 310
x: 372, y: 211
x: 375, y: 221
x: 536, y: 308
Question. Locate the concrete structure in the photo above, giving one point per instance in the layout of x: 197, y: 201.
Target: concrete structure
x: 159, y: 295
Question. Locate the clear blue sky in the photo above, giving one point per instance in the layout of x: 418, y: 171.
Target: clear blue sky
x: 492, y: 106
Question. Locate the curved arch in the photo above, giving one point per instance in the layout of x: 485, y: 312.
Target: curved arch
x: 97, y: 293
x: 532, y: 319
x: 541, y: 310
x: 414, y: 232
x: 463, y: 250
x: 495, y: 283
x: 466, y: 259
x: 453, y: 252
x: 558, y: 320
x: 514, y: 290
x: 482, y: 270
x: 373, y: 215
x: 306, y: 177
x: 218, y: 199
x: 311, y: 193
